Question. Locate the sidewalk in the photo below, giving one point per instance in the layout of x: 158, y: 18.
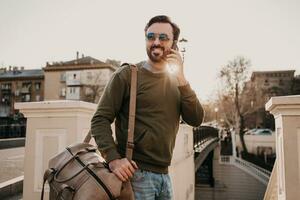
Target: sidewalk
x: 11, y: 163
x: 11, y: 166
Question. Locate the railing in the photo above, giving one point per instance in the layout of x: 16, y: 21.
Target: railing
x: 259, y: 173
x: 271, y: 192
x: 203, y: 134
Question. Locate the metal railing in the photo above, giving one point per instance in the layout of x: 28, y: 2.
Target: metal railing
x: 203, y: 134
x: 12, y: 130
x: 259, y: 173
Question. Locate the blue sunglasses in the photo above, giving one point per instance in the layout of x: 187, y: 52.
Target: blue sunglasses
x: 161, y: 36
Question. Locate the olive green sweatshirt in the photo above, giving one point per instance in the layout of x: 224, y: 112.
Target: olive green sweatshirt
x: 160, y: 103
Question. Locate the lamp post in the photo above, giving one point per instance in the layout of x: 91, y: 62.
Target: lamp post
x: 183, y: 41
x: 216, y: 112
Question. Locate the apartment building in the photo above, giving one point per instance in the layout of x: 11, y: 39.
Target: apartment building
x: 19, y: 85
x: 260, y: 88
x: 80, y: 79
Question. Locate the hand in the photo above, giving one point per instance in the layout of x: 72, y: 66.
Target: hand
x: 122, y: 168
x: 174, y: 58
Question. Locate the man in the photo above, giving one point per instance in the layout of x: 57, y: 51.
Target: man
x: 162, y: 97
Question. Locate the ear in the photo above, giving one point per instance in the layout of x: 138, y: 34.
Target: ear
x: 174, y: 45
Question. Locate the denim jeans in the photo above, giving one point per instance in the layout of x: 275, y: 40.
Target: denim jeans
x: 151, y: 186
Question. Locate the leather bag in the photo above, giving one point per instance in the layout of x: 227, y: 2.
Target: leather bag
x: 78, y: 172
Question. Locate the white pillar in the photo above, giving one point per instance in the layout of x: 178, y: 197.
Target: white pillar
x: 182, y: 169
x: 286, y: 111
x: 233, y: 141
x: 51, y: 126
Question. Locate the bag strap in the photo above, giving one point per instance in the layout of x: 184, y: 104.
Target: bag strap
x: 132, y: 108
x: 131, y: 118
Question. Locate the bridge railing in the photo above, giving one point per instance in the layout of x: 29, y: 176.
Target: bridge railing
x: 259, y: 173
x: 204, y: 133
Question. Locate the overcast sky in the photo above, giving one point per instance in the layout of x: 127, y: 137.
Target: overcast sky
x: 265, y: 31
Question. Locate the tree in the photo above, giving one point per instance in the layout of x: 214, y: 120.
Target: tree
x: 233, y: 77
x: 115, y: 63
x: 94, y: 87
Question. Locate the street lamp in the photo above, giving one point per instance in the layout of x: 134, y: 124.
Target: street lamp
x: 252, y: 103
x: 216, y: 112
x: 183, y: 41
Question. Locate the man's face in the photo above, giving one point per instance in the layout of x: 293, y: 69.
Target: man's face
x: 159, y: 40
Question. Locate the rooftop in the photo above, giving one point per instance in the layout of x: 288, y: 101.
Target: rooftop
x: 86, y: 62
x: 255, y: 73
x: 16, y: 73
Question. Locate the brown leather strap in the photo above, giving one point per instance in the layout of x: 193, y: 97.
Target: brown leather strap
x: 131, y: 120
x: 88, y: 137
x: 132, y: 107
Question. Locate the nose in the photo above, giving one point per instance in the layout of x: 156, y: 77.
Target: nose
x: 156, y: 41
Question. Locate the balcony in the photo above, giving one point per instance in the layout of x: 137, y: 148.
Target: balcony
x: 25, y: 90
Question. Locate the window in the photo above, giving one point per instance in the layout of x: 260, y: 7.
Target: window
x: 6, y: 86
x: 63, y: 92
x: 89, y: 75
x: 63, y: 77
x: 72, y: 90
x: 281, y: 82
x: 37, y: 86
x: 25, y: 97
x: 266, y: 82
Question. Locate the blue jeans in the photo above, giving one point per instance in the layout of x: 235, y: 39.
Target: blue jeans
x: 151, y: 186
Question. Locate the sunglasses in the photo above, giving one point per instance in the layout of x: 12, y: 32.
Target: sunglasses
x: 161, y: 36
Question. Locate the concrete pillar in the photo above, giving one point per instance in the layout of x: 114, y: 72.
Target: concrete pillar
x: 286, y: 111
x: 233, y: 142
x: 51, y: 126
x: 182, y: 169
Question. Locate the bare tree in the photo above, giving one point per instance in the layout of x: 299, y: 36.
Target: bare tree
x: 115, y: 63
x: 94, y: 88
x: 234, y: 76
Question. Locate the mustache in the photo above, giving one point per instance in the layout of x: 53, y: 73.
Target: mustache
x: 157, y: 46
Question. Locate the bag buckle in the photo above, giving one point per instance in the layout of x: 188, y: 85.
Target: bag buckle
x: 130, y: 145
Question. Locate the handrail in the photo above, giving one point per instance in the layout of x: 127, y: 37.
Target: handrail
x: 202, y: 134
x: 259, y: 173
x: 271, y: 191
x: 267, y: 172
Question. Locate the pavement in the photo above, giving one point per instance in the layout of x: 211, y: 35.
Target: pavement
x: 11, y: 163
x: 11, y: 166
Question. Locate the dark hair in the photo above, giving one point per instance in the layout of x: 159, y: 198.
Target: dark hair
x: 164, y: 19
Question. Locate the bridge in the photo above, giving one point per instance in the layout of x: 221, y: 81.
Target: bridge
x: 53, y: 125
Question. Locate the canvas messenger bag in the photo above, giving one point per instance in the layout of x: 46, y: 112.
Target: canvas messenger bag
x: 78, y: 172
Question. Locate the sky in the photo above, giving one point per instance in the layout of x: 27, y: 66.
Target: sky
x: 33, y: 32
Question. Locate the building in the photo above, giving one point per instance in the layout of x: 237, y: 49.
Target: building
x: 296, y: 85
x: 259, y: 89
x: 80, y: 79
x: 19, y: 85
x: 273, y: 83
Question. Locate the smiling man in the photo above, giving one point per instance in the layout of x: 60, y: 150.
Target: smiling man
x: 162, y: 97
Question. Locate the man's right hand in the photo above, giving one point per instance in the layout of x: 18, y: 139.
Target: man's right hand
x: 122, y: 168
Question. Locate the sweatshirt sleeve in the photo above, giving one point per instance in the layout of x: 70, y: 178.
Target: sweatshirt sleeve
x: 191, y: 110
x: 108, y: 107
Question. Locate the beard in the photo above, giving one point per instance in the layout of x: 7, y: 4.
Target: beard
x: 157, y: 53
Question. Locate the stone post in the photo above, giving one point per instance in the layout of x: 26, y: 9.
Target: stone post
x: 286, y: 111
x: 51, y: 126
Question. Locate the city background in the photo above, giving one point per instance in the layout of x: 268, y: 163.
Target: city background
x: 237, y: 55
